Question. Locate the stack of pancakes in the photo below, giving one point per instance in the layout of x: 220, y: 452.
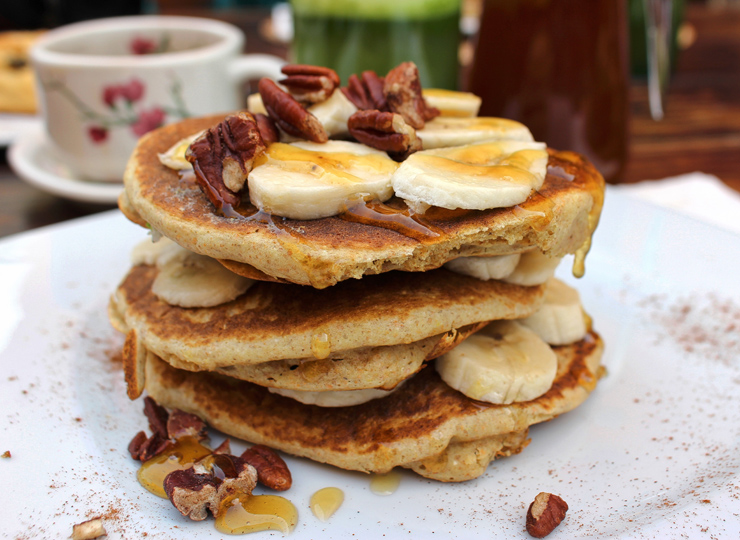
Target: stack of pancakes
x: 345, y: 307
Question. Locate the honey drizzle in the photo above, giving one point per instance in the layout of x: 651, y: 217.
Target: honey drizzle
x: 242, y: 514
x: 400, y: 220
x: 181, y: 455
x: 325, y: 502
x: 385, y: 484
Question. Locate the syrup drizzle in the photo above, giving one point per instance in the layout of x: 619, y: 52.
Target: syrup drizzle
x: 242, y: 514
x: 385, y: 484
x: 325, y: 502
x: 184, y: 453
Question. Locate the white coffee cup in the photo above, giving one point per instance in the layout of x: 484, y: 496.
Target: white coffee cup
x: 104, y: 83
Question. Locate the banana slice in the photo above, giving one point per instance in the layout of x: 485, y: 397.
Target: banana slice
x: 149, y: 251
x: 560, y: 320
x: 187, y: 279
x: 255, y: 104
x: 534, y: 268
x: 485, y: 268
x: 503, y: 363
x: 452, y: 103
x: 174, y: 158
x: 334, y: 113
x: 445, y: 131
x: 476, y: 176
x: 334, y: 398
x: 308, y: 180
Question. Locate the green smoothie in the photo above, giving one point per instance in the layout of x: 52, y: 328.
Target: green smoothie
x: 351, y: 36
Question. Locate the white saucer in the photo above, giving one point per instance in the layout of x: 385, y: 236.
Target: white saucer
x: 34, y: 160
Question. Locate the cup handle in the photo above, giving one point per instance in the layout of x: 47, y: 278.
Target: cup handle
x: 658, y: 22
x: 255, y: 66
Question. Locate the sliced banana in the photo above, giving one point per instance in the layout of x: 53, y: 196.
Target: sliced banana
x: 494, y: 174
x: 334, y: 113
x: 187, y: 279
x: 334, y: 398
x: 485, y: 268
x: 443, y: 131
x: 149, y: 251
x: 503, y: 363
x: 309, y: 181
x: 560, y: 320
x: 174, y: 158
x: 534, y: 268
x: 255, y: 104
x: 452, y: 103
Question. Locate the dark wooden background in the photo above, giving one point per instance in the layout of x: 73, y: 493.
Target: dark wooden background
x: 700, y: 131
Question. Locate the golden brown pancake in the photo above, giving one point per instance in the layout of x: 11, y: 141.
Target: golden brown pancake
x: 274, y: 321
x: 559, y: 219
x: 412, y: 427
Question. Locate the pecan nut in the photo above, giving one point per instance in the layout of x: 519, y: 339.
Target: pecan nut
x: 157, y: 416
x: 268, y: 129
x: 197, y: 489
x: 309, y: 84
x: 366, y: 92
x: 181, y: 424
x: 544, y: 514
x: 384, y: 131
x: 402, y: 89
x: 289, y: 115
x: 223, y: 156
x: 272, y: 471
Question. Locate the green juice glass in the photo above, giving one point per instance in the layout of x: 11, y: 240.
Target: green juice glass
x: 351, y: 36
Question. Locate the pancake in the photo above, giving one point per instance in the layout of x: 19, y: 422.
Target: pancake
x: 425, y: 425
x: 274, y: 321
x: 559, y: 219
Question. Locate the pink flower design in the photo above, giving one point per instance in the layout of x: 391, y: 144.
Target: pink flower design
x: 97, y: 134
x: 110, y: 95
x: 141, y: 45
x: 148, y: 120
x: 133, y: 91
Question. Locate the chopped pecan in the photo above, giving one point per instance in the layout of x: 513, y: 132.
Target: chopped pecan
x: 544, y: 514
x: 153, y: 446
x: 134, y: 447
x: 268, y: 129
x: 309, y: 84
x: 88, y: 530
x: 366, y: 92
x: 197, y: 489
x: 289, y: 115
x: 402, y: 90
x: 272, y: 471
x: 157, y: 416
x: 223, y: 448
x: 385, y: 131
x: 223, y: 157
x: 182, y: 424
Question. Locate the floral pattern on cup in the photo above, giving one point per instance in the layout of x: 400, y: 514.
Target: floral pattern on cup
x: 142, y: 45
x: 125, y: 109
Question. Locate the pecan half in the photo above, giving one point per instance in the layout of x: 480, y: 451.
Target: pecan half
x: 272, y: 471
x: 268, y: 129
x: 196, y: 490
x: 309, y: 84
x: 223, y: 157
x: 385, y: 131
x: 366, y: 92
x: 544, y: 514
x: 182, y: 424
x: 289, y: 115
x: 402, y: 89
x: 157, y: 416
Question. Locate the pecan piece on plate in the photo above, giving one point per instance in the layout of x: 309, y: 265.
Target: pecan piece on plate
x: 402, y: 90
x: 385, y: 131
x: 309, y: 84
x: 197, y: 489
x: 223, y: 157
x: 544, y: 514
x: 272, y: 471
x: 289, y: 115
x: 366, y: 92
x: 182, y: 424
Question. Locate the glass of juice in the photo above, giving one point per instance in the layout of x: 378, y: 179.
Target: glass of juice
x: 562, y: 68
x: 351, y: 36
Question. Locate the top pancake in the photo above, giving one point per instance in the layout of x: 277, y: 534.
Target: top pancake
x: 559, y: 219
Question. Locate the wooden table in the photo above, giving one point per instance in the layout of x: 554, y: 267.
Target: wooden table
x: 700, y: 132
